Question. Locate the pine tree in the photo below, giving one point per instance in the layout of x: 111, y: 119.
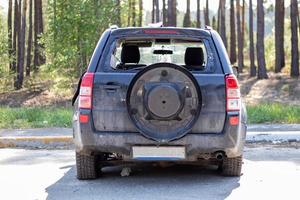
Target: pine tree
x: 279, y: 35
x: 251, y: 45
x: 207, y: 14
x: 294, y: 39
x: 130, y: 13
x: 9, y: 34
x: 157, y: 10
x: 164, y: 11
x: 133, y: 13
x: 172, y: 13
x: 219, y: 17
x: 232, y: 33
x: 223, y: 21
x: 243, y: 22
x: 140, y: 12
x: 239, y: 37
x: 15, y: 35
x: 21, y: 47
x: 187, y: 16
x: 29, y: 40
x: 260, y: 46
x: 214, y: 23
x: 198, y: 23
x: 118, y: 12
x: 38, y: 58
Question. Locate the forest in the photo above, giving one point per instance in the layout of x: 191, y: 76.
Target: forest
x: 53, y: 39
x: 45, y: 45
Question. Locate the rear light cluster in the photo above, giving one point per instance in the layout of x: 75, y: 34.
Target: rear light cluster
x: 233, y: 96
x: 85, y: 95
x: 86, y: 90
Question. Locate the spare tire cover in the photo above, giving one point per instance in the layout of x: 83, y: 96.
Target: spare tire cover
x: 164, y: 101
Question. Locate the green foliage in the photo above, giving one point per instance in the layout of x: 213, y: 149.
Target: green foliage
x: 35, y: 117
x: 3, y: 45
x: 273, y: 113
x: 270, y: 52
x: 74, y: 27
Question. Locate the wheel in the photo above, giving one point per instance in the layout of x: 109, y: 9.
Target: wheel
x: 86, y: 166
x: 232, y: 166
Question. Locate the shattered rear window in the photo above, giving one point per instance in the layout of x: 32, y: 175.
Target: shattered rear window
x: 156, y: 51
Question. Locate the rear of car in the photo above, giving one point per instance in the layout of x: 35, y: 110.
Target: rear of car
x: 159, y: 94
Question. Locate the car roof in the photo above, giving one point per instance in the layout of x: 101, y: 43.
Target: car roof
x: 160, y: 31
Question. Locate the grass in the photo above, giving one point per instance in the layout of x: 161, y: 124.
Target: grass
x: 273, y: 113
x: 39, y: 117
x: 36, y: 117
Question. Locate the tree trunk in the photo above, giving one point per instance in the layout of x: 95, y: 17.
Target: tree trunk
x: 187, y: 16
x: 172, y: 15
x: 36, y: 32
x: 129, y: 13
x: 15, y: 35
x: 294, y: 39
x: 42, y: 59
x: 164, y: 11
x: 251, y: 45
x: 133, y: 13
x: 198, y: 23
x: 260, y: 46
x: 223, y: 21
x: 174, y: 8
x: 279, y: 35
x: 9, y: 33
x: 153, y: 11
x: 207, y: 14
x: 232, y: 33
x: 21, y: 48
x: 140, y: 13
x: 118, y: 10
x: 29, y: 41
x: 239, y: 37
x: 219, y: 17
x: 214, y: 23
x: 18, y: 52
x: 243, y: 23
x: 157, y: 11
x: 299, y: 21
x: 38, y: 58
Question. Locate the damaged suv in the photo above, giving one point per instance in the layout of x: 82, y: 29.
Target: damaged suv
x: 159, y: 94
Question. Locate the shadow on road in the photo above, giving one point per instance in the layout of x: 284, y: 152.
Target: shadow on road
x: 146, y: 182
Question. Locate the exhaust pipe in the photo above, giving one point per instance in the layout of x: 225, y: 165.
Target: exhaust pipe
x: 219, y: 156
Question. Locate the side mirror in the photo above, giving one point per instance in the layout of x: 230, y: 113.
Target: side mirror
x: 235, y: 70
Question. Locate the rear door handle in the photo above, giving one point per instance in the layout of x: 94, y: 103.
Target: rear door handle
x: 111, y: 88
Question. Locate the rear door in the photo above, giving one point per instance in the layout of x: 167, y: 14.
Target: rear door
x: 110, y: 89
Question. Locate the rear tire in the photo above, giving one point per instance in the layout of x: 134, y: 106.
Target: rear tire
x: 232, y: 166
x: 86, y: 166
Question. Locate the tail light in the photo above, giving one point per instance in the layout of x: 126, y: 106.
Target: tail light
x: 86, y: 90
x: 233, y: 96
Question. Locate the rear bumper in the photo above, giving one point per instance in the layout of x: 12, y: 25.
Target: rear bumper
x: 230, y: 141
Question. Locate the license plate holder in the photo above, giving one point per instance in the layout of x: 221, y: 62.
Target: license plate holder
x: 158, y: 153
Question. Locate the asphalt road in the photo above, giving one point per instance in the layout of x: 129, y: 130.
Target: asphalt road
x: 268, y: 173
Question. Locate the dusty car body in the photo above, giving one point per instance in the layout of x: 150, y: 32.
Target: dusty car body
x: 159, y: 94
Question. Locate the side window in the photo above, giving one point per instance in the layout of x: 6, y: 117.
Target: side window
x: 210, y: 57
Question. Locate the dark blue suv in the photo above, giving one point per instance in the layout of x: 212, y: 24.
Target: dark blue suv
x: 159, y: 94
